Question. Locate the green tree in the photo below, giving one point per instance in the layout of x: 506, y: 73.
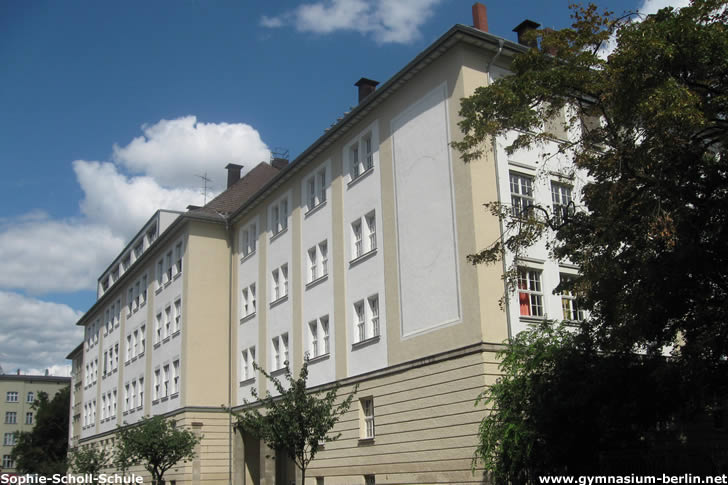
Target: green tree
x: 296, y: 421
x: 43, y: 450
x: 90, y: 459
x: 157, y: 444
x: 649, y: 235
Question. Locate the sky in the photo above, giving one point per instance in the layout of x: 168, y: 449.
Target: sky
x: 112, y: 110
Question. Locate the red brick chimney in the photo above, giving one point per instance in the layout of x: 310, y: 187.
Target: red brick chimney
x: 233, y: 173
x: 480, y: 17
x: 366, y: 87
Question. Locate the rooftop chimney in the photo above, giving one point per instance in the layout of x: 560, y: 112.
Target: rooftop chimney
x: 480, y: 17
x: 233, y: 173
x: 523, y: 28
x: 366, y: 87
x: 279, y: 163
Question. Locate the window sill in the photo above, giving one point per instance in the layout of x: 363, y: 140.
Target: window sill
x: 134, y: 358
x: 140, y: 355
x: 279, y: 301
x: 247, y: 256
x: 319, y: 358
x: 156, y: 401
x: 363, y: 257
x: 156, y: 346
x: 166, y: 339
x: 366, y: 441
x: 165, y: 398
x: 362, y: 175
x: 174, y: 395
x: 365, y: 343
x: 247, y: 382
x: 318, y: 280
x: 177, y: 276
x: 158, y: 290
x: 279, y: 372
x: 279, y: 234
x: 531, y: 319
x: 176, y: 333
x: 139, y: 408
x: 125, y: 413
x: 169, y: 282
x: 247, y: 317
x: 314, y: 209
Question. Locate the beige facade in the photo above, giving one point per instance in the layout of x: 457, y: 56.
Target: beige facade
x: 17, y: 394
x: 355, y: 254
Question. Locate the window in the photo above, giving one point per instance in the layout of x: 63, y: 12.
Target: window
x: 361, y: 246
x: 530, y: 297
x: 521, y: 194
x: 160, y: 273
x: 561, y: 197
x: 280, y: 282
x: 177, y: 315
x: 248, y: 303
x: 8, y: 461
x: 358, y: 250
x: 315, y: 190
x: 361, y: 156
x: 367, y: 418
x: 324, y: 252
x: 134, y: 343
x: 374, y: 315
x: 570, y: 307
x: 11, y: 417
x: 168, y: 268
x: 279, y: 216
x: 367, y: 318
x: 280, y: 352
x: 321, y: 178
x: 175, y: 377
x: 144, y: 290
x: 318, y: 332
x: 137, y: 294
x: 158, y: 329
x: 369, y: 480
x: 128, y: 348
x: 318, y: 261
x: 31, y: 397
x: 130, y: 300
x: 178, y: 258
x: 9, y: 439
x: 28, y: 418
x: 12, y: 396
x: 126, y: 397
x: 157, y: 383
x: 165, y: 385
x: 142, y: 331
x: 313, y: 264
x: 141, y: 391
x: 138, y: 250
x: 248, y: 238
x: 247, y: 371
x: 133, y: 393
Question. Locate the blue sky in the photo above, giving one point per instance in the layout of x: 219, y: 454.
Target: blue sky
x: 109, y: 110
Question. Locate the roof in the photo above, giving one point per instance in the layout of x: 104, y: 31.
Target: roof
x: 235, y: 196
x: 22, y: 377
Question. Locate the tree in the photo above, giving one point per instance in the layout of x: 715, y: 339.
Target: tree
x: 43, y: 450
x: 156, y: 443
x: 296, y: 421
x: 650, y: 238
x: 90, y: 459
x: 650, y: 131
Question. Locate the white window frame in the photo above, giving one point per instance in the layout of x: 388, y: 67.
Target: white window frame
x: 521, y: 186
x: 175, y: 376
x: 530, y: 292
x: 279, y: 215
x: 367, y: 418
x: 570, y: 308
x: 561, y: 198
x: 361, y: 154
x: 248, y: 238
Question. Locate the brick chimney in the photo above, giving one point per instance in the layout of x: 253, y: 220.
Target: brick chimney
x: 523, y: 28
x: 279, y: 163
x: 366, y: 87
x: 480, y: 17
x: 233, y: 173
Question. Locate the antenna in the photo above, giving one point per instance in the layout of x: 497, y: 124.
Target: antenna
x: 205, y: 181
x: 279, y: 152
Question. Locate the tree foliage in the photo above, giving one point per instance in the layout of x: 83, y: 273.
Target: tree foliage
x: 295, y: 421
x: 157, y: 444
x: 651, y: 237
x: 89, y: 459
x: 43, y: 450
x: 650, y: 234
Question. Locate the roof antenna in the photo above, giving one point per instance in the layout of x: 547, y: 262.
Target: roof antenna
x: 205, y: 181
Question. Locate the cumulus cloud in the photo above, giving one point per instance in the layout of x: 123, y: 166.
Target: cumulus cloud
x: 385, y: 21
x: 174, y: 152
x: 37, y: 335
x: 40, y: 255
x: 122, y: 203
x: 648, y: 7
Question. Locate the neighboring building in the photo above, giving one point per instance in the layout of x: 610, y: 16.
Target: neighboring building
x: 17, y: 394
x: 354, y: 253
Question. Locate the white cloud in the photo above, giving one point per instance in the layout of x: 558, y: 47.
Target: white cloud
x: 648, y: 7
x: 386, y: 21
x: 37, y: 335
x: 122, y: 203
x: 41, y: 255
x: 174, y: 152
